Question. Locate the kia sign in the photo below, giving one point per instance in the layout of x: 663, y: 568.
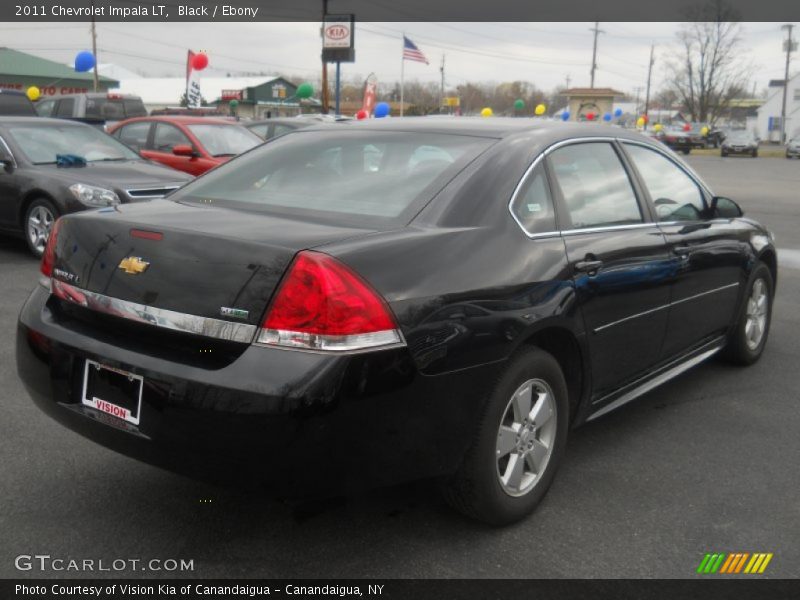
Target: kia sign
x: 337, y: 34
x: 338, y: 38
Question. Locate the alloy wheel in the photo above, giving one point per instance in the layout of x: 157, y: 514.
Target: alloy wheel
x: 40, y: 222
x: 525, y: 437
x: 756, y: 314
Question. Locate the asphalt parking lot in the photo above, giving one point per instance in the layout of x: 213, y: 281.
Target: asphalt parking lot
x: 707, y: 463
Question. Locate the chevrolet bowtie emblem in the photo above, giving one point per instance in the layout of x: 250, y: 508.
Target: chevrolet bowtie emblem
x: 133, y: 265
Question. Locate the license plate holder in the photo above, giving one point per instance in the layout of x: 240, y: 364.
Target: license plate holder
x: 112, y: 391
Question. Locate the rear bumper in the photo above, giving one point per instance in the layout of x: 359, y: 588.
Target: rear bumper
x: 301, y: 422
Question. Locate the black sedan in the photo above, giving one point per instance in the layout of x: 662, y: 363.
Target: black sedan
x: 740, y: 142
x: 448, y: 309
x: 52, y: 167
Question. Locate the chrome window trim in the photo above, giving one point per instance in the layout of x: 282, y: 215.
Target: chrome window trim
x: 555, y: 146
x: 156, y: 317
x: 10, y: 153
x: 169, y: 187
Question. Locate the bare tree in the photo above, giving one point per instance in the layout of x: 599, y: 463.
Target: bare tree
x: 711, y: 65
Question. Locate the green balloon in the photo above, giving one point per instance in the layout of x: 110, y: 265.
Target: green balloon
x: 233, y: 103
x: 519, y: 104
x: 305, y: 90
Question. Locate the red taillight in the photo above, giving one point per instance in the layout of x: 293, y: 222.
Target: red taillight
x: 323, y: 305
x: 49, y: 255
x: 156, y: 236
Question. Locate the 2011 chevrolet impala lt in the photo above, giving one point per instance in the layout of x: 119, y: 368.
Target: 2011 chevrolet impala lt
x: 381, y: 301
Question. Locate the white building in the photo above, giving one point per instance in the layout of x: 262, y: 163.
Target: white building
x: 768, y: 122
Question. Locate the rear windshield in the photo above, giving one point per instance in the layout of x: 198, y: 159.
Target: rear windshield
x: 344, y: 177
x: 114, y: 109
x: 16, y: 105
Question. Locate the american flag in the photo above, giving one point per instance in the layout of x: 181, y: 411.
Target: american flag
x: 411, y: 52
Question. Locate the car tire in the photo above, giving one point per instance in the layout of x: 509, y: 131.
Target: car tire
x: 755, y: 153
x: 37, y: 222
x: 501, y: 480
x: 743, y: 348
x: 723, y: 153
x: 686, y: 150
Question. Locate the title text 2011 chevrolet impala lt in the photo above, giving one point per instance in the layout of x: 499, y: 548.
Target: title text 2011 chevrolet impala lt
x: 379, y: 302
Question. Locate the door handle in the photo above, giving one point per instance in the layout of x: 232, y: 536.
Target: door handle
x: 588, y: 266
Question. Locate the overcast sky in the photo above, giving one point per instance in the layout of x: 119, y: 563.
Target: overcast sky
x: 542, y: 53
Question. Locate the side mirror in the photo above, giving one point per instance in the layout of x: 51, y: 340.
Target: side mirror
x: 183, y: 150
x: 725, y: 208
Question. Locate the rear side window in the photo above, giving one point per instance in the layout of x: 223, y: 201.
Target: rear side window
x: 533, y: 206
x: 134, y: 107
x: 339, y: 176
x: 65, y: 107
x: 676, y: 196
x: 595, y: 186
x: 113, y: 108
x: 134, y: 135
x: 16, y: 105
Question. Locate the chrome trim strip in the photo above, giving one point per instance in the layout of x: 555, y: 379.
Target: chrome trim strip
x: 608, y: 228
x: 655, y: 382
x: 670, y: 304
x: 169, y: 189
x: 157, y: 317
x: 11, y: 154
x: 706, y: 293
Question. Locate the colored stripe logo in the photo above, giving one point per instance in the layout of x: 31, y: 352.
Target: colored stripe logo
x: 734, y: 563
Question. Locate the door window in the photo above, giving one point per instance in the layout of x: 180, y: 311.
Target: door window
x: 596, y: 189
x: 65, y: 108
x: 167, y: 137
x: 676, y: 195
x: 45, y: 108
x: 533, y: 206
x: 134, y: 135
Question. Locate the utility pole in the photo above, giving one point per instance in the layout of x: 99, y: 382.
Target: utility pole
x: 568, y: 78
x: 596, y: 31
x: 94, y: 49
x: 324, y: 97
x: 647, y: 93
x: 441, y: 89
x: 789, y: 43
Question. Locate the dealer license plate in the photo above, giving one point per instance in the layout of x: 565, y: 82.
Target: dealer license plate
x: 112, y: 391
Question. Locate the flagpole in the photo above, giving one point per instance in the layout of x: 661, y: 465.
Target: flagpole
x: 402, y: 73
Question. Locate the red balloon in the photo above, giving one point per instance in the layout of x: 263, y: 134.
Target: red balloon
x: 590, y: 116
x: 646, y: 118
x: 200, y: 61
x: 687, y: 127
x: 362, y: 114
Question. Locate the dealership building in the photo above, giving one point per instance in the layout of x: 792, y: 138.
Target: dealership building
x: 19, y: 71
x: 255, y: 97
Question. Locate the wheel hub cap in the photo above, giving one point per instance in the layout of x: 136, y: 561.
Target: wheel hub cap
x: 756, y: 314
x: 525, y: 437
x: 40, y: 222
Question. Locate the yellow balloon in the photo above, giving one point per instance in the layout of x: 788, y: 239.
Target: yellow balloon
x: 540, y: 109
x: 640, y: 122
x: 33, y: 93
x: 658, y: 127
x: 704, y: 131
x: 487, y: 112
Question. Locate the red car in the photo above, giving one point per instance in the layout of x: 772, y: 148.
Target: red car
x: 190, y: 144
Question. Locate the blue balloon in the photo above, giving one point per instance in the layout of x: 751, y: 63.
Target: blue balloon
x: 565, y: 115
x: 618, y: 112
x: 84, y: 61
x: 382, y: 109
x: 607, y: 117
